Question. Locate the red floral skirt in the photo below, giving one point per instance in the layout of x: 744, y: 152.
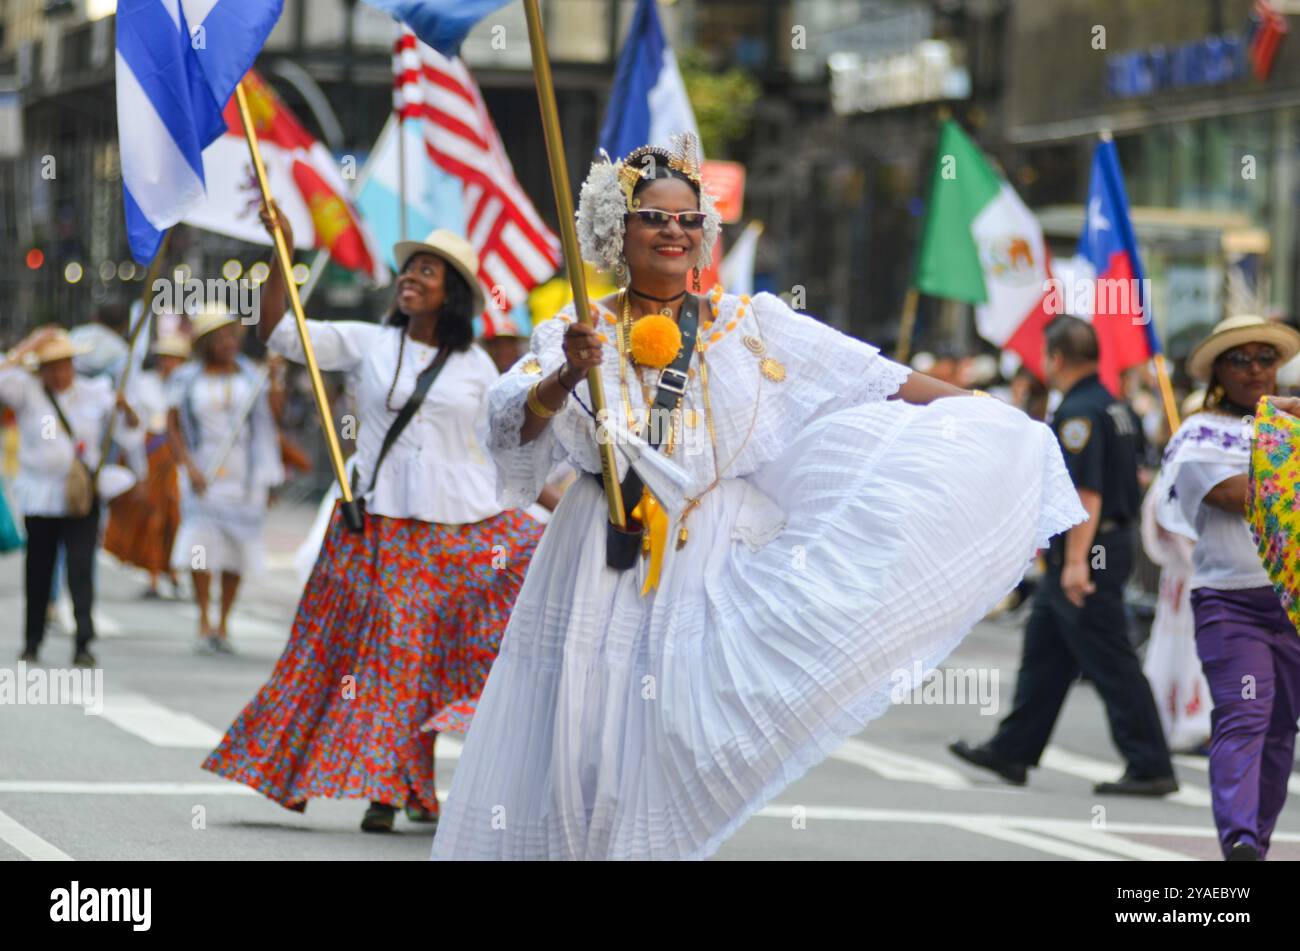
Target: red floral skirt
x: 395, y: 628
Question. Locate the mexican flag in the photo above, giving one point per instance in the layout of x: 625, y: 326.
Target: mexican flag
x: 983, y: 246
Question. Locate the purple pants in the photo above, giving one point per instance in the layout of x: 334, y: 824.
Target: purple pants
x: 1250, y: 653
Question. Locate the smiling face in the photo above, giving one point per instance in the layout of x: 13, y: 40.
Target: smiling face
x: 662, y: 254
x: 1248, y: 372
x: 420, y: 288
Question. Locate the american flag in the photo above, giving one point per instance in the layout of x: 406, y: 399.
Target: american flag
x: 516, y: 250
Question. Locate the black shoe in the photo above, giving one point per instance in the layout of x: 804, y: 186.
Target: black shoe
x: 379, y: 818
x: 1014, y: 773
x: 1128, y: 785
x: 1243, y: 852
x: 29, y: 655
x: 84, y: 658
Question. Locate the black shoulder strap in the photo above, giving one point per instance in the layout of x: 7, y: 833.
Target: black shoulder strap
x: 668, y: 394
x: 63, y: 420
x: 422, y: 384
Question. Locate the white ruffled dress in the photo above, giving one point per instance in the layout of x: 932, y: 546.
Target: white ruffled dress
x: 850, y: 539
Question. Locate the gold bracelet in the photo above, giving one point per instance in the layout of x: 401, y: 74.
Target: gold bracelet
x: 540, y: 409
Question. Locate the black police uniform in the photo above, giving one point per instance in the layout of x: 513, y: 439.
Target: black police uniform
x: 1101, y: 440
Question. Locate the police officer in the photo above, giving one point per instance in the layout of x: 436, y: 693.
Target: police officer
x: 1078, y: 623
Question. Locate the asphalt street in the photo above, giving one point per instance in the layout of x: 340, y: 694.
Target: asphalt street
x: 126, y: 783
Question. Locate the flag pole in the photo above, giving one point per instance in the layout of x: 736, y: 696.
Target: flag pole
x: 351, y: 512
x: 569, y: 240
x: 907, y: 326
x: 145, y: 312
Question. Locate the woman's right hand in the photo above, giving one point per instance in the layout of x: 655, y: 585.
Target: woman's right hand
x: 285, y: 228
x: 197, y: 482
x: 582, y: 348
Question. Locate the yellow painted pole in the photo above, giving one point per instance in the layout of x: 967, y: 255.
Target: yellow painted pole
x: 569, y: 241
x: 351, y: 513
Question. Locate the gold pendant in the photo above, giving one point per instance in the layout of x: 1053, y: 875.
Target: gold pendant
x: 681, y: 538
x: 774, y: 370
x: 666, y: 312
x: 531, y: 366
x: 754, y: 344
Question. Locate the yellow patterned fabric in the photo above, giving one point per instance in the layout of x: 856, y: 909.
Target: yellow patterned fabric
x: 1272, y: 509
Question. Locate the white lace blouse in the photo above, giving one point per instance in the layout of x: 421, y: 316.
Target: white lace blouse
x: 438, y: 470
x: 755, y: 417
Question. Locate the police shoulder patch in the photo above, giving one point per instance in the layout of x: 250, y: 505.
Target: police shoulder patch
x: 1075, y: 433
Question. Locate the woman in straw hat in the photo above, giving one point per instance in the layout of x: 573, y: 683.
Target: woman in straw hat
x: 142, y: 524
x: 409, y: 612
x: 61, y: 423
x: 812, y: 547
x: 1243, y: 634
x: 224, y: 483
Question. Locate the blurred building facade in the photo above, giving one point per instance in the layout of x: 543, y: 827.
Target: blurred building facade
x: 838, y: 152
x: 1209, y: 148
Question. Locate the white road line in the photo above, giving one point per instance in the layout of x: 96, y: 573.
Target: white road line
x: 28, y: 842
x: 156, y: 724
x: 1104, y: 838
x: 1202, y: 764
x: 1032, y: 840
x: 899, y: 766
x: 1097, y: 771
x: 123, y: 789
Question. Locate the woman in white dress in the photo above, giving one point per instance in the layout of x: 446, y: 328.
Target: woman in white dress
x: 225, y: 482
x: 833, y: 538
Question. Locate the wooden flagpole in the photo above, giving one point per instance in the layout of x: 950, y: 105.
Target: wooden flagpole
x: 351, y: 512
x: 569, y: 241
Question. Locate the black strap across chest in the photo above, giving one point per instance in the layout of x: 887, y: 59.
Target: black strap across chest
x: 668, y: 395
x: 422, y: 384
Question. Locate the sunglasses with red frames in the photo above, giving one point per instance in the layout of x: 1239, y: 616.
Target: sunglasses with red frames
x: 686, y: 220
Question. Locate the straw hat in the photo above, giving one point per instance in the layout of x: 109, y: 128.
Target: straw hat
x: 59, y: 346
x: 453, y: 249
x: 1236, y: 331
x: 210, y: 319
x: 172, y: 345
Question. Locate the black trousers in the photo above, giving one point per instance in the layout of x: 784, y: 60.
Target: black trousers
x: 79, y: 537
x: 1061, y: 641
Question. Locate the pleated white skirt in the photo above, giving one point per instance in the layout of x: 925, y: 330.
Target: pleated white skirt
x: 616, y: 726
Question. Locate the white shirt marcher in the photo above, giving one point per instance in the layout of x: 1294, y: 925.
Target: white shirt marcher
x: 438, y: 470
x: 45, y: 453
x: 1208, y: 448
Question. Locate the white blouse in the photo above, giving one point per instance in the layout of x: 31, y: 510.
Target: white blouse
x: 438, y: 470
x: 1207, y: 449
x: 216, y: 399
x: 755, y: 417
x: 45, y: 452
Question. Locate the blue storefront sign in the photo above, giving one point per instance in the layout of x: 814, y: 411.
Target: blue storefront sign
x: 1212, y: 61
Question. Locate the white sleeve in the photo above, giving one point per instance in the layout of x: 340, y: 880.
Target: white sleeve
x: 338, y: 345
x: 834, y: 369
x: 522, y: 469
x: 15, y: 387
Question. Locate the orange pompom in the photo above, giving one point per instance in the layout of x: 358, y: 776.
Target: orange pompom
x: 655, y: 341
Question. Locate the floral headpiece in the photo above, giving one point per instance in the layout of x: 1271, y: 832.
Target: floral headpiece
x: 606, y: 198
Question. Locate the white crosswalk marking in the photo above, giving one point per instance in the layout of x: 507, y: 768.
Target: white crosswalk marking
x: 28, y: 842
x: 1099, y: 771
x: 902, y: 767
x: 156, y: 724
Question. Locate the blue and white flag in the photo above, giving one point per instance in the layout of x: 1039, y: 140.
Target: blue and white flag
x: 649, y: 101
x: 178, y: 62
x: 442, y: 24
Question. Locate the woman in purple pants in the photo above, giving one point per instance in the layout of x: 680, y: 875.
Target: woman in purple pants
x: 1249, y: 649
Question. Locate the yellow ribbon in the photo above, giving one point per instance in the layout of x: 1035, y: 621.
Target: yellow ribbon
x: 650, y: 514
